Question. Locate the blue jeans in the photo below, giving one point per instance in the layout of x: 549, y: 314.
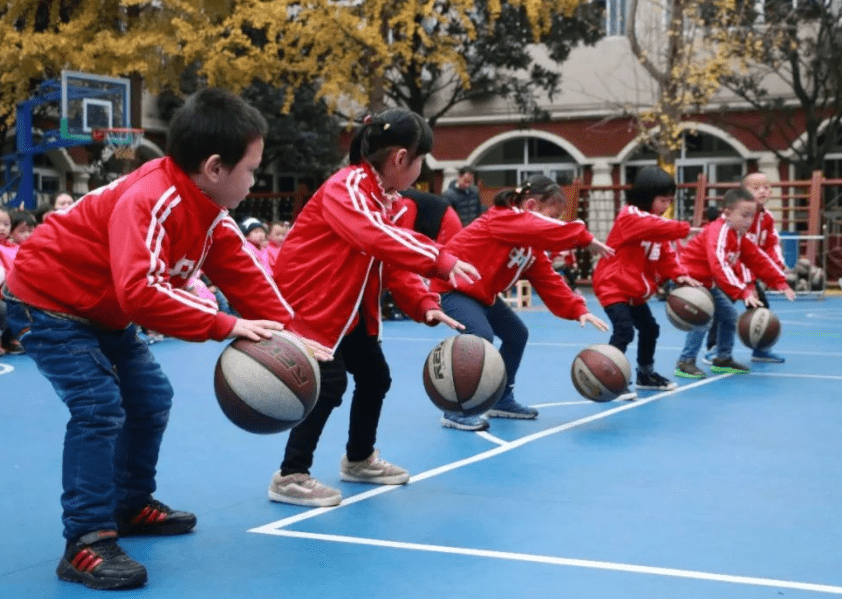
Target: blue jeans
x: 119, y: 401
x: 486, y: 322
x: 725, y: 322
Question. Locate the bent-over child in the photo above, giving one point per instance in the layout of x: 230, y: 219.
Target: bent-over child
x: 716, y: 257
x: 510, y: 242
x: 645, y: 257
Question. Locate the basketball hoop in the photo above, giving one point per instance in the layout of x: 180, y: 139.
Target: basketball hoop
x: 122, y: 142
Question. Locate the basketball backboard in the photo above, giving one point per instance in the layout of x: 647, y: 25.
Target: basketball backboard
x: 90, y: 102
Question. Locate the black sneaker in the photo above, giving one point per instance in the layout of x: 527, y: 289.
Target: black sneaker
x: 653, y: 380
x: 728, y: 365
x: 98, y: 562
x: 155, y: 518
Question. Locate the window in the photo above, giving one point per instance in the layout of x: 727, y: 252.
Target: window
x: 615, y: 12
x: 510, y: 162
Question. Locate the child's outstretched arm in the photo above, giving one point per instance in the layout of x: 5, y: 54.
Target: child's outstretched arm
x: 587, y: 317
x: 434, y: 316
x: 600, y: 249
x: 465, y: 271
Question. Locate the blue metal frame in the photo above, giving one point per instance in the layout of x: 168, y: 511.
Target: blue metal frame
x: 53, y: 139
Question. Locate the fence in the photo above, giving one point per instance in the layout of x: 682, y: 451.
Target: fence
x: 808, y: 214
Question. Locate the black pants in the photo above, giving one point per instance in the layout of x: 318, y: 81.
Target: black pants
x: 362, y: 356
x: 625, y: 319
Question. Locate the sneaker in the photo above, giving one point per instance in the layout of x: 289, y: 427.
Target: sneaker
x: 98, y: 562
x: 299, y: 488
x: 764, y: 355
x: 155, y: 518
x: 653, y: 380
x: 507, y: 407
x: 463, y: 423
x: 709, y: 357
x: 14, y: 348
x: 627, y: 395
x: 689, y: 370
x: 729, y: 365
x: 372, y: 470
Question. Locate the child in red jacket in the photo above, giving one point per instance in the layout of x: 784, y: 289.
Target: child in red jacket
x: 118, y: 259
x: 510, y: 242
x: 645, y: 256
x: 763, y: 232
x: 717, y: 257
x: 333, y: 266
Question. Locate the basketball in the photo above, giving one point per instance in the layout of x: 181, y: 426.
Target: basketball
x: 600, y: 372
x: 689, y: 307
x: 759, y: 328
x: 266, y: 386
x: 464, y: 374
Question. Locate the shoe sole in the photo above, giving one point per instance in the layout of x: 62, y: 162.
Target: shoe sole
x: 728, y: 370
x: 687, y: 375
x: 157, y: 530
x: 630, y: 396
x: 767, y: 360
x: 67, y: 572
x: 395, y: 479
x: 510, y: 415
x: 462, y: 427
x: 655, y: 388
x: 323, y: 502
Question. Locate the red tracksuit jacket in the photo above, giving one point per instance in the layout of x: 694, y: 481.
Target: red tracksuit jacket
x: 716, y: 256
x: 330, y: 268
x: 509, y: 244
x: 644, y: 256
x: 125, y: 252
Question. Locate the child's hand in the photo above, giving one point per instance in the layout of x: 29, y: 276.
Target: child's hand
x: 465, y: 271
x: 588, y: 317
x: 600, y: 249
x: 752, y: 301
x: 439, y: 316
x: 687, y: 280
x: 255, y: 329
x: 263, y: 329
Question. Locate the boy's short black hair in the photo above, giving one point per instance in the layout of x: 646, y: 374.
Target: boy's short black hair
x: 467, y: 168
x: 735, y: 195
x: 649, y: 183
x: 22, y: 217
x: 711, y: 213
x: 213, y: 121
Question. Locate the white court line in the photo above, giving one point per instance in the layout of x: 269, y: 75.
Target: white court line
x: 791, y: 375
x: 508, y: 446
x: 563, y: 561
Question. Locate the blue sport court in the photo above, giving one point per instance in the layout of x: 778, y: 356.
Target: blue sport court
x: 728, y: 487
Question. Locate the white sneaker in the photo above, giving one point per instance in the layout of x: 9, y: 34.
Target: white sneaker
x: 300, y: 488
x: 372, y: 470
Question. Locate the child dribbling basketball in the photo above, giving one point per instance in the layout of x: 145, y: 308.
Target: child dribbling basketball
x: 510, y: 241
x: 332, y: 268
x: 117, y: 260
x: 645, y: 257
x: 716, y: 257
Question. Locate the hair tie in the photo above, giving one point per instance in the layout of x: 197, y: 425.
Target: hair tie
x: 367, y: 119
x: 386, y: 126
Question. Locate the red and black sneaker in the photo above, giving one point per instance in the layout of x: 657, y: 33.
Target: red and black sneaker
x: 98, y: 562
x: 155, y: 518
